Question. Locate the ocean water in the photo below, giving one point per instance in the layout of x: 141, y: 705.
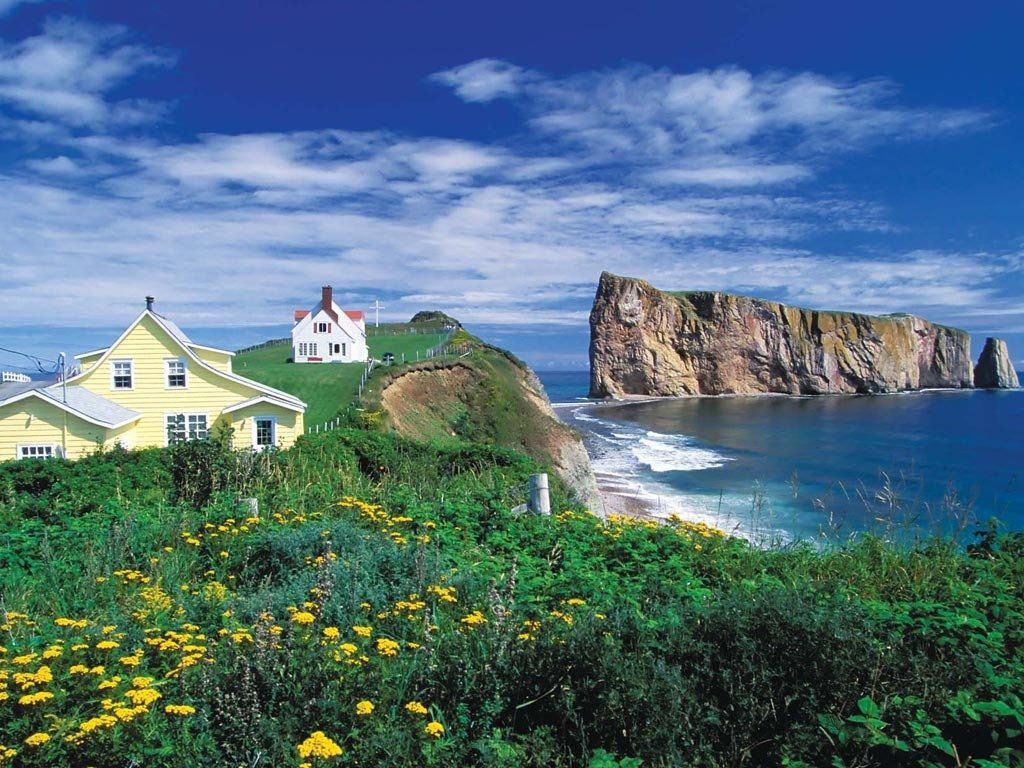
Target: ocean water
x: 804, y: 465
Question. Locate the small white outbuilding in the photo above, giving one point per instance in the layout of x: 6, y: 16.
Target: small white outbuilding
x: 328, y: 334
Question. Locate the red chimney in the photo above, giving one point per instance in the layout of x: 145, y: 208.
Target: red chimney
x: 327, y: 297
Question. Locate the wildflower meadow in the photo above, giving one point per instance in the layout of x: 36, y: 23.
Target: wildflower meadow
x: 381, y: 604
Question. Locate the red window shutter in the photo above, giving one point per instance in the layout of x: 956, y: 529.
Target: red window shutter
x: 328, y: 327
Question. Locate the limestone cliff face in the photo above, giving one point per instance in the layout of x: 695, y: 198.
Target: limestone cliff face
x: 995, y: 369
x: 648, y: 342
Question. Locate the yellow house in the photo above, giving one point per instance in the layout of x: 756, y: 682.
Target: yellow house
x: 151, y: 387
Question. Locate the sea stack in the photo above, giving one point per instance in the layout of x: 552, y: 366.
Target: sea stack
x: 995, y: 369
x: 649, y: 342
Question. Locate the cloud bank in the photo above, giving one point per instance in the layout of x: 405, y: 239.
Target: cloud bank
x: 699, y: 180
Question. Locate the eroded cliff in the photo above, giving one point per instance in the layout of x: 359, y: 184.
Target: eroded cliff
x: 644, y: 341
x: 487, y: 396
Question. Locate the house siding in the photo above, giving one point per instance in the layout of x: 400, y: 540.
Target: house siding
x: 355, y: 344
x: 34, y: 422
x: 290, y: 425
x: 219, y: 360
x: 148, y: 346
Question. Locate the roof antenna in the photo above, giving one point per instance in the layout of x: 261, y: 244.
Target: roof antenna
x: 149, y: 303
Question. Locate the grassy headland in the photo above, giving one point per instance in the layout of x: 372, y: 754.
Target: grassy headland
x: 385, y: 607
x: 329, y: 388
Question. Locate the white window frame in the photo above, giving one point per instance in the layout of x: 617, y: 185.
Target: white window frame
x: 21, y: 448
x: 113, y: 374
x: 273, y: 427
x: 167, y: 372
x: 188, y: 432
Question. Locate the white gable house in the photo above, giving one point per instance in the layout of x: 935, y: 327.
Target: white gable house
x: 328, y: 334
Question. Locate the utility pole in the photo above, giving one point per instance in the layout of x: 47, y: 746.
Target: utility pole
x: 377, y: 307
x: 62, y: 361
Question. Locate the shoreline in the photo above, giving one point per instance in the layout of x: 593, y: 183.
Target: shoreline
x: 625, y: 495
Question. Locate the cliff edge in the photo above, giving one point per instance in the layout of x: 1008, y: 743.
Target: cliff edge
x: 488, y: 396
x: 644, y: 341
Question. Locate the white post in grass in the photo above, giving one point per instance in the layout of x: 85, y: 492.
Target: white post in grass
x: 540, y: 502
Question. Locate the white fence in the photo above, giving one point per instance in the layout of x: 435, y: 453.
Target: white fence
x: 11, y: 376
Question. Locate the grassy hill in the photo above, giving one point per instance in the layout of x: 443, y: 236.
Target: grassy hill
x: 329, y: 388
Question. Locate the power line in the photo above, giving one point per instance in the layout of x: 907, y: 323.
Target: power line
x: 35, y: 360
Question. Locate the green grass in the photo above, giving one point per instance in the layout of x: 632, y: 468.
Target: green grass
x: 325, y: 388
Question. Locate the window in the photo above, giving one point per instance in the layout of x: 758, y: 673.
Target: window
x: 121, y: 373
x: 186, y: 426
x: 265, y: 431
x: 343, y: 352
x: 337, y: 349
x: 307, y: 349
x: 323, y: 327
x: 37, y: 451
x: 175, y: 373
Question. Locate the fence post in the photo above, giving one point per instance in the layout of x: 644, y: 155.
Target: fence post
x: 540, y: 501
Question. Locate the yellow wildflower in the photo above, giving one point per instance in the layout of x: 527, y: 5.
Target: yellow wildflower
x: 37, y: 739
x: 303, y: 617
x: 30, y: 699
x: 362, y: 631
x: 364, y: 707
x: 319, y: 745
x: 415, y: 708
x: 182, y: 710
x: 142, y: 697
x: 473, y: 619
x: 386, y: 647
x: 434, y: 729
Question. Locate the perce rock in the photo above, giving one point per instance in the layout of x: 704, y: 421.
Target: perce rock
x: 995, y: 369
x: 649, y: 342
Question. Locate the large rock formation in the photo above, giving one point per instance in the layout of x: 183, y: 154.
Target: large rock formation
x: 648, y: 342
x: 995, y: 369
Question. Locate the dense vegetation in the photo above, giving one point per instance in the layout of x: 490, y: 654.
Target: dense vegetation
x: 385, y: 607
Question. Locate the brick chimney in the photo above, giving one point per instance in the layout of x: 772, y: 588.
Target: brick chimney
x: 327, y: 297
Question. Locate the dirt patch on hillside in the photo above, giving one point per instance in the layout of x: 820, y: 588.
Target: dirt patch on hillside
x: 427, y: 404
x: 494, y: 401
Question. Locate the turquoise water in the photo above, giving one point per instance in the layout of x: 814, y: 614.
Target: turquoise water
x: 801, y: 465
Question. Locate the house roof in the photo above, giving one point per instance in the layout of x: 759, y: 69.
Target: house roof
x: 355, y: 314
x: 78, y: 401
x: 300, y: 313
x: 261, y: 399
x: 187, y: 346
x: 172, y: 328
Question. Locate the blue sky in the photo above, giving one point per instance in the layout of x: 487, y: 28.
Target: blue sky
x: 229, y: 157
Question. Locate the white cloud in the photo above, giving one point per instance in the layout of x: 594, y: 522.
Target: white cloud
x: 482, y: 80
x: 66, y: 73
x: 702, y: 127
x: 671, y: 177
x: 732, y: 175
